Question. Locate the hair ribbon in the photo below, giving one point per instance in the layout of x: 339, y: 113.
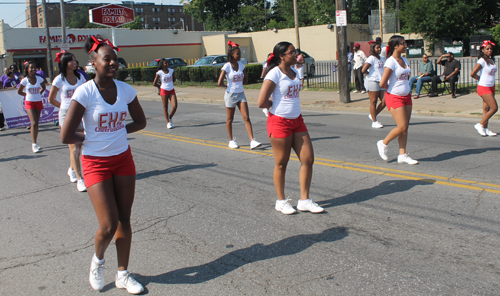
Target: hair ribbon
x: 59, y: 55
x: 232, y: 44
x: 387, y: 51
x: 26, y: 63
x: 271, y: 57
x: 487, y: 42
x: 98, y: 42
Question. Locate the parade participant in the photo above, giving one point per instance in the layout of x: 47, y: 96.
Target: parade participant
x: 236, y: 76
x: 299, y: 66
x: 65, y: 84
x: 486, y: 86
x: 32, y: 87
x: 17, y: 74
x: 286, y: 128
x: 397, y: 98
x: 262, y: 75
x: 164, y: 79
x: 10, y: 81
x: 4, y: 76
x: 108, y: 167
x: 375, y: 67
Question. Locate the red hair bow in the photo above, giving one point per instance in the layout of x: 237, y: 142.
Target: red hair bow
x: 232, y: 44
x: 270, y: 58
x: 98, y: 42
x: 387, y: 51
x: 59, y: 55
x: 487, y: 42
x: 26, y: 63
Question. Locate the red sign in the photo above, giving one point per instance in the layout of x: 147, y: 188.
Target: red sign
x: 111, y: 15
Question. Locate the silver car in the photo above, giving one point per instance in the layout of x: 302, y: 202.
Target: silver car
x: 214, y: 61
x: 309, y: 64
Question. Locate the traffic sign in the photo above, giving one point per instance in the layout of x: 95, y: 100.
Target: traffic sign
x: 341, y: 18
x: 111, y: 15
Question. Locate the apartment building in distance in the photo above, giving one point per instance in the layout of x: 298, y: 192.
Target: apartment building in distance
x: 153, y: 16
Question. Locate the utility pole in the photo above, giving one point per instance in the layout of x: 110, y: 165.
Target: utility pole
x: 47, y: 32
x: 265, y: 14
x: 295, y: 13
x: 397, y: 16
x: 63, y: 23
x: 381, y: 8
x: 344, y: 91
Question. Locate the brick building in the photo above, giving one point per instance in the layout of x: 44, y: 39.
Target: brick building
x: 153, y: 16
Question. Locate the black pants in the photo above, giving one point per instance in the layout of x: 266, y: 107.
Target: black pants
x: 2, y: 119
x: 358, y: 79
x: 452, y: 80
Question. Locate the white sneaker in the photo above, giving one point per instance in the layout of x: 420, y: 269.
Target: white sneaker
x: 406, y: 159
x: 382, y: 149
x: 376, y: 124
x: 363, y: 91
x: 489, y: 133
x: 480, y: 129
x: 254, y: 144
x: 129, y: 283
x: 38, y: 146
x: 284, y: 206
x: 309, y: 205
x: 72, y: 175
x: 233, y: 144
x: 35, y: 148
x: 96, y: 276
x: 370, y: 116
x: 172, y: 123
x: 354, y: 91
x: 169, y: 125
x: 80, y: 185
x: 266, y: 111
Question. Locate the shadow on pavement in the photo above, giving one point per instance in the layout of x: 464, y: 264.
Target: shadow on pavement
x: 236, y: 259
x: 453, y: 154
x: 175, y: 169
x: 38, y: 155
x: 386, y: 187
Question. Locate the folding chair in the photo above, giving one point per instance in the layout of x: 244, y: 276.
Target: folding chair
x: 447, y: 86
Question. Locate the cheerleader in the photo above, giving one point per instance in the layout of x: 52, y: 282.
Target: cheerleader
x: 108, y: 167
x: 374, y: 67
x: 285, y: 126
x: 236, y: 76
x: 65, y: 84
x: 164, y: 79
x: 486, y: 86
x: 32, y: 87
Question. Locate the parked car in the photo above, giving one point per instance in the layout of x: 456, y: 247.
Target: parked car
x: 214, y: 61
x: 172, y: 62
x: 309, y: 64
x: 90, y: 69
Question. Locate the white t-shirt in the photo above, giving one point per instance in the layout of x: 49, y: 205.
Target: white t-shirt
x: 398, y: 81
x: 234, y: 78
x: 32, y: 90
x: 376, y: 69
x: 167, y: 80
x: 383, y: 53
x: 487, y: 73
x: 105, y: 132
x: 359, y: 59
x: 66, y: 90
x: 300, y: 70
x: 285, y: 96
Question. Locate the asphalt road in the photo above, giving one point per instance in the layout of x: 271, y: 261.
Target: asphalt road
x: 204, y: 221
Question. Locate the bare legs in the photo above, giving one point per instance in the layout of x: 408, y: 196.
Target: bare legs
x: 402, y: 117
x: 173, y: 101
x: 243, y: 106
x: 75, y: 153
x: 112, y: 200
x: 374, y: 109
x: 34, y: 116
x: 301, y: 144
x: 490, y: 107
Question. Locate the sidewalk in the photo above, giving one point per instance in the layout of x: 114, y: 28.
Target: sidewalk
x: 465, y: 105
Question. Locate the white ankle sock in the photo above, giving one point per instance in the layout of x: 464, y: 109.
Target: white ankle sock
x: 96, y: 260
x: 121, y: 273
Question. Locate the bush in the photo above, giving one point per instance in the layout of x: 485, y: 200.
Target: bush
x: 182, y: 73
x: 91, y: 75
x: 148, y: 73
x: 122, y: 74
x: 135, y: 73
x: 253, y: 72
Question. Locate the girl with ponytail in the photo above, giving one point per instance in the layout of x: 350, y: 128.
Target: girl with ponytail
x: 285, y: 126
x: 395, y: 79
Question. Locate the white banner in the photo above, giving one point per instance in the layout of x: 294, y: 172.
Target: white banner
x: 15, y: 112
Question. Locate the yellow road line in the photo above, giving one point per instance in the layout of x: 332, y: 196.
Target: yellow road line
x: 453, y: 182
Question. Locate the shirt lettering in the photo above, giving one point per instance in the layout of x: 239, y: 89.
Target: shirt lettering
x: 111, y: 121
x: 34, y: 90
x: 238, y: 77
x: 405, y: 76
x: 69, y: 93
x: 293, y: 92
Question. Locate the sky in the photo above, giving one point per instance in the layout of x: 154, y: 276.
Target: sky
x: 13, y: 11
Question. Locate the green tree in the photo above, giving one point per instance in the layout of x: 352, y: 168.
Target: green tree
x: 135, y: 25
x: 80, y: 19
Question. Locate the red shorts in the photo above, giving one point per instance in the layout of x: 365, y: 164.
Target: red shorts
x: 33, y: 105
x: 485, y: 90
x: 395, y: 101
x: 101, y: 168
x: 281, y: 127
x: 164, y: 92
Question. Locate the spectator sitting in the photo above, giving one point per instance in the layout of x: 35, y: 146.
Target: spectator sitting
x: 450, y: 74
x: 425, y: 74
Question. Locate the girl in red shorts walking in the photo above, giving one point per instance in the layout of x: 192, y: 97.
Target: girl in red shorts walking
x: 285, y: 126
x: 32, y: 87
x: 165, y: 79
x: 486, y: 86
x: 395, y: 80
x: 108, y: 166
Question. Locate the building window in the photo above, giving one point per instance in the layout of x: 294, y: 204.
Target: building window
x: 138, y: 9
x: 169, y: 10
x: 146, y: 26
x: 180, y: 10
x: 173, y: 9
x: 39, y: 9
x: 41, y: 21
x: 142, y: 19
x: 157, y: 28
x: 156, y: 9
x: 156, y: 19
x: 173, y: 19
